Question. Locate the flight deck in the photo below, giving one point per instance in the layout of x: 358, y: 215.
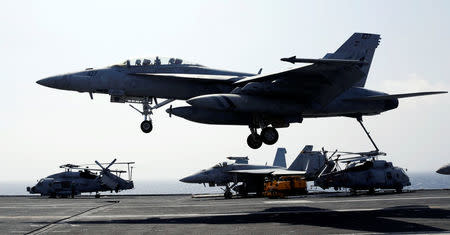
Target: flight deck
x: 422, y: 211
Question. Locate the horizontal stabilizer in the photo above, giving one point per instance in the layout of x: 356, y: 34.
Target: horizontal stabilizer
x: 396, y: 96
x: 294, y: 59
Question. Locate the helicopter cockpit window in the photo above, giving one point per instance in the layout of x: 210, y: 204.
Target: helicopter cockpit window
x: 40, y: 182
x: 146, y: 62
x: 155, y: 61
x: 87, y: 174
x: 218, y: 165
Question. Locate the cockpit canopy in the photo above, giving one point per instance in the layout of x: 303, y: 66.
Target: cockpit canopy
x: 155, y: 61
x: 220, y: 165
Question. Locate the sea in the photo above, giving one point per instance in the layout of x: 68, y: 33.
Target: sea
x: 418, y: 181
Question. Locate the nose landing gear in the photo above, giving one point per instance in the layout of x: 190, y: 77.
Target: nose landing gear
x: 147, y: 124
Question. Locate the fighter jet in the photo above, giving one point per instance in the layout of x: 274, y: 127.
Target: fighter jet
x: 251, y: 176
x: 329, y: 87
x: 143, y: 80
x: 71, y: 183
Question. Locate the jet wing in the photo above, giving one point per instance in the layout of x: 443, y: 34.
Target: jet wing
x: 320, y: 82
x: 278, y: 172
x: 254, y: 171
x: 281, y: 172
x: 190, y: 77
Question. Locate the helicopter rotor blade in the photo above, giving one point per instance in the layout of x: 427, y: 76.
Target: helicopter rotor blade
x: 335, y: 151
x: 69, y: 166
x: 100, y: 165
x: 112, y: 163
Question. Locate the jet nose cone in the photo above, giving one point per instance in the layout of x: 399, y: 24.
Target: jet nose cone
x: 58, y: 82
x: 189, y: 179
x: 48, y: 82
x: 184, y: 180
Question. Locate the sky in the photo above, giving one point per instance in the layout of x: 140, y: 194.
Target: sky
x: 42, y: 128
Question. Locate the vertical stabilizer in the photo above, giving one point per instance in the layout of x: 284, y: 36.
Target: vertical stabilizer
x: 299, y: 163
x: 280, y: 158
x: 360, y: 46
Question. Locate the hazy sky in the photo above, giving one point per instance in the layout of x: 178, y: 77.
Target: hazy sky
x: 42, y: 128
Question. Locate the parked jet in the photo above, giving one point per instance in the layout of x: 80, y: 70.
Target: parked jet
x: 143, y: 80
x: 251, y: 176
x: 331, y: 86
x: 70, y: 183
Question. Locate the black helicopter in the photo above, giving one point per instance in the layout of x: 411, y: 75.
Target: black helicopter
x: 362, y: 172
x: 71, y: 183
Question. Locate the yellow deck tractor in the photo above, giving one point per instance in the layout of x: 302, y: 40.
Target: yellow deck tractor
x: 285, y: 185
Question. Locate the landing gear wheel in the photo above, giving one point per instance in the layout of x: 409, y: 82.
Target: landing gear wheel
x: 228, y: 194
x: 146, y: 126
x: 269, y: 135
x: 97, y: 195
x: 371, y: 191
x: 254, y: 141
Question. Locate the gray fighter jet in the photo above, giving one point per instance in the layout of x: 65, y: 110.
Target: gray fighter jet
x: 71, y: 183
x: 251, y: 176
x: 331, y: 86
x: 143, y: 80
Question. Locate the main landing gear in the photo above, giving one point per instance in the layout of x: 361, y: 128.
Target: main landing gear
x: 269, y: 136
x: 227, y: 194
x: 147, y: 124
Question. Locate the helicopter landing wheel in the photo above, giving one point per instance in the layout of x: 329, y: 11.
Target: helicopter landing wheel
x: 146, y: 126
x: 254, y: 141
x: 228, y: 194
x: 97, y: 195
x: 269, y: 135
